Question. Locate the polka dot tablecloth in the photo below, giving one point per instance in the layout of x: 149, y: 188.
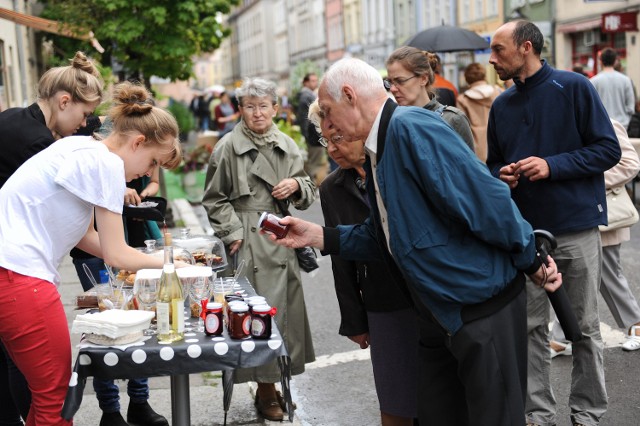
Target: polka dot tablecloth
x: 196, y: 353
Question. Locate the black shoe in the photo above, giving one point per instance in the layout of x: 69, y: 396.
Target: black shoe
x: 143, y: 415
x: 113, y: 419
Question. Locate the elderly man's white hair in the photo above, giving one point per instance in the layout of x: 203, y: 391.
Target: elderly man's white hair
x: 365, y: 80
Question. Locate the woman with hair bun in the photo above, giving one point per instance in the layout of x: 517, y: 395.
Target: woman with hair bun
x: 410, y: 78
x: 46, y: 208
x: 66, y: 96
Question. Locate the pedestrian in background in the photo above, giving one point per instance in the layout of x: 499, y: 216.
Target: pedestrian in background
x: 316, y: 163
x: 615, y: 89
x: 256, y: 154
x: 550, y: 140
x: 446, y: 90
x: 433, y: 213
x: 410, y: 78
x: 476, y: 103
x: 375, y: 309
x: 46, y: 208
x: 225, y: 115
x: 634, y: 124
x: 66, y: 96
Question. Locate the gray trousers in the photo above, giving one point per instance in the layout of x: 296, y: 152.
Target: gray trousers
x: 579, y: 258
x: 615, y: 289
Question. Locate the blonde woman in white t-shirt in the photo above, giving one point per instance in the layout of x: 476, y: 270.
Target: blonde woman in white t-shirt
x: 46, y: 208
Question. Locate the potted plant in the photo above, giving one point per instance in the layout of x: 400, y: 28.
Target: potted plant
x: 193, y: 172
x: 186, y: 121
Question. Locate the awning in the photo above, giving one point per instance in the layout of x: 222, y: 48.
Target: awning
x: 49, y: 26
x: 576, y: 27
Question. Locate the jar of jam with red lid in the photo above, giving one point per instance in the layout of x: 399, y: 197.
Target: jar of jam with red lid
x: 213, y: 319
x: 255, y: 301
x: 261, y: 321
x: 239, y: 321
x: 271, y: 223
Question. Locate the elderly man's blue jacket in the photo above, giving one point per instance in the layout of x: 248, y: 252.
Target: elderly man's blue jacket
x: 455, y: 233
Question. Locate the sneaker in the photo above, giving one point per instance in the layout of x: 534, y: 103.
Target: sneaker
x: 143, y: 415
x: 633, y: 340
x: 112, y: 419
x: 558, y: 348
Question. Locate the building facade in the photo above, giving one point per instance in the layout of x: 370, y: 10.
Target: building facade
x: 20, y: 61
x: 584, y: 28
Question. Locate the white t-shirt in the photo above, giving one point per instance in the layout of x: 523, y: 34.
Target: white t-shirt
x: 46, y: 205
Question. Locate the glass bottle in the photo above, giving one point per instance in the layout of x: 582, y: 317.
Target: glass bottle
x: 170, y: 302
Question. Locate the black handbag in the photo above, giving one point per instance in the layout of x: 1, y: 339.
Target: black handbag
x: 307, y: 258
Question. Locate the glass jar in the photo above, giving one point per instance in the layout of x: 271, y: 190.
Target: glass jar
x: 261, y: 321
x: 239, y: 321
x: 155, y: 248
x: 213, y: 319
x: 206, y: 249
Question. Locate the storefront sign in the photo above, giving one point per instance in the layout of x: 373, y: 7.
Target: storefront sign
x: 619, y: 22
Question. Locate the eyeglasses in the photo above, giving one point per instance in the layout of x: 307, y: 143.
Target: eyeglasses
x: 398, y: 82
x: 253, y: 108
x: 335, y: 139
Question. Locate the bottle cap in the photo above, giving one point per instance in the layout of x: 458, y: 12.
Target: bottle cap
x: 256, y: 300
x: 238, y: 307
x: 262, y: 309
x: 214, y: 305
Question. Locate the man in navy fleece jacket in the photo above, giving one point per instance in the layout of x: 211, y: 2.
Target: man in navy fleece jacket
x: 550, y: 140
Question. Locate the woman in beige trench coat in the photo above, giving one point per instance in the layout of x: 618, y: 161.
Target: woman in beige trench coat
x: 235, y: 196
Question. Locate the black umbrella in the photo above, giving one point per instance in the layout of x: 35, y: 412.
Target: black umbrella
x: 445, y: 38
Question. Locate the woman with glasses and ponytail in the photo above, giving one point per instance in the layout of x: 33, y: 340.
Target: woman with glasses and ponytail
x: 410, y: 79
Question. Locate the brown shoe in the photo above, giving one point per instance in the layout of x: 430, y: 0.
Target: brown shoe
x: 269, y: 409
x: 283, y: 403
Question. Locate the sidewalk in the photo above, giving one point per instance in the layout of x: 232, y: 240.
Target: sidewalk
x: 205, y: 388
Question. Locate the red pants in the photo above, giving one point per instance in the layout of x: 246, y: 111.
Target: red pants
x: 34, y: 330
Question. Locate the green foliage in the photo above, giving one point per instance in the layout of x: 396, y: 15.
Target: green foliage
x: 150, y: 37
x: 293, y: 131
x: 185, y: 119
x: 297, y: 74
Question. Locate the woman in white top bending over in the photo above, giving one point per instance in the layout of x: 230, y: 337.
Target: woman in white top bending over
x: 46, y: 209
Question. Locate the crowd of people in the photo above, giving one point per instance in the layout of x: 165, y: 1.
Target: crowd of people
x: 217, y: 111
x: 429, y: 220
